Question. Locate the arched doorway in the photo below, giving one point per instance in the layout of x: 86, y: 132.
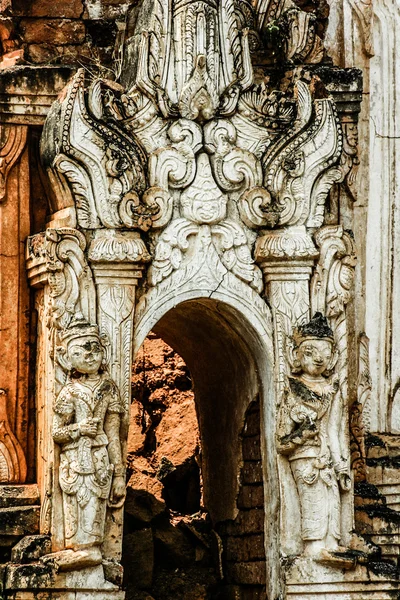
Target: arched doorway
x: 230, y: 366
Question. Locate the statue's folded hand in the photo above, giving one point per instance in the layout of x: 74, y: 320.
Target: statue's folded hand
x: 89, y: 427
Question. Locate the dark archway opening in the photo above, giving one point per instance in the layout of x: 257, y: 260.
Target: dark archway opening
x: 194, y: 517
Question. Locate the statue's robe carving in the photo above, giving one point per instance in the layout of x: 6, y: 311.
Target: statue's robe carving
x: 85, y: 473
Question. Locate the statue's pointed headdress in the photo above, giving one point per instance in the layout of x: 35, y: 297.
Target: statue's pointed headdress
x: 78, y: 328
x: 318, y: 328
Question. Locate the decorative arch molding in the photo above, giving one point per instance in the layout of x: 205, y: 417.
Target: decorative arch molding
x: 196, y: 181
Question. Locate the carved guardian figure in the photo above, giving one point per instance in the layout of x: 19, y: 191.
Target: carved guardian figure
x: 86, y: 426
x: 311, y: 436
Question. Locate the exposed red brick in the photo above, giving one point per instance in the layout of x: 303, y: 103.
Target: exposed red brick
x: 248, y: 573
x: 55, y: 31
x: 12, y: 58
x: 251, y: 496
x: 245, y: 549
x: 252, y: 472
x: 48, y: 8
x: 4, y: 5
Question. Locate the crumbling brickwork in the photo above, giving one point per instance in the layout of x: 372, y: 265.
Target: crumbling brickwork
x: 77, y: 32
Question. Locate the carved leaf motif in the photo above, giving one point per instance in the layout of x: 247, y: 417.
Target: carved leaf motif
x: 300, y: 174
x: 199, y: 98
x: 319, y: 194
x: 117, y: 303
x: 121, y: 246
x: 104, y: 166
x: 81, y: 190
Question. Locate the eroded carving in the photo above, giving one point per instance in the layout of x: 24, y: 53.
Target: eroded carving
x: 360, y: 412
x: 296, y: 32
x: 364, y: 12
x: 204, y: 230
x: 12, y: 458
x: 12, y: 143
x: 213, y: 162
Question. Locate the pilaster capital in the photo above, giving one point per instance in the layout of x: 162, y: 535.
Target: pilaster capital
x: 286, y: 253
x: 117, y: 255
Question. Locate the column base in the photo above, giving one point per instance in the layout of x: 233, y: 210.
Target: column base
x: 308, y: 580
x: 40, y: 581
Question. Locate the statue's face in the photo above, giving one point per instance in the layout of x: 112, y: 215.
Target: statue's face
x: 315, y: 356
x: 86, y: 354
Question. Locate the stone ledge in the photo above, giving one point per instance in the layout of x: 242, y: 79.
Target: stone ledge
x: 40, y: 580
x: 19, y: 520
x: 325, y: 583
x: 28, y: 92
x: 19, y: 495
x: 366, y: 591
x: 61, y: 595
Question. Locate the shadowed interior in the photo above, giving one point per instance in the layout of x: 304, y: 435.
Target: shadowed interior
x: 211, y: 341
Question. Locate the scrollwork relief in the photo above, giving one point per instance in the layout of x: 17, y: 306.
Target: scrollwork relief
x: 104, y: 167
x: 204, y: 225
x: 60, y: 254
x: 300, y: 170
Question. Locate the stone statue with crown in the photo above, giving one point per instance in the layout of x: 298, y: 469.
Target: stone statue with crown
x: 311, y: 435
x: 86, y: 427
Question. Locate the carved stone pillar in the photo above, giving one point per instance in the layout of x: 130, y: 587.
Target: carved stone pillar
x: 286, y: 257
x: 117, y: 259
x: 14, y: 304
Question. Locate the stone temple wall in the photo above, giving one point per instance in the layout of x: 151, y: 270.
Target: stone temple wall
x: 218, y: 178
